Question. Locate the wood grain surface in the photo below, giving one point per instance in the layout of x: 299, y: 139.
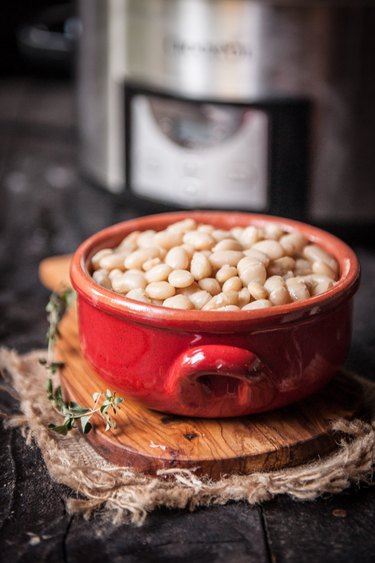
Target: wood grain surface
x: 149, y: 440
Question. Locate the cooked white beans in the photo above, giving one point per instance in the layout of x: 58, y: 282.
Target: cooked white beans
x: 95, y: 260
x: 138, y: 295
x: 257, y: 290
x: 281, y: 266
x: 277, y: 291
x: 272, y: 248
x: 177, y: 258
x: 160, y: 290
x: 314, y: 253
x: 211, y: 285
x: 168, y: 239
x: 128, y: 281
x: 160, y: 272
x: 259, y: 304
x: 243, y: 297
x: 293, y: 243
x: 200, y: 266
x: 180, y: 278
x: 225, y: 257
x: 199, y: 240
x: 197, y: 266
x: 225, y: 273
x: 112, y: 261
x: 233, y: 284
x: 227, y: 244
x: 250, y: 269
x: 146, y: 238
x: 200, y: 298
x: 178, y: 302
x: 102, y: 278
x: 297, y: 289
x: 137, y: 258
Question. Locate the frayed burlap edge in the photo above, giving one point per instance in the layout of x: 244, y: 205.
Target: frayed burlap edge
x: 127, y: 495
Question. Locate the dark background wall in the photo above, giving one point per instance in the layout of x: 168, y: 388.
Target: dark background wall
x: 13, y: 15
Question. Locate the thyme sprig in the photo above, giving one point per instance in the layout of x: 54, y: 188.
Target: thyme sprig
x: 56, y: 308
x: 105, y: 404
x: 73, y: 412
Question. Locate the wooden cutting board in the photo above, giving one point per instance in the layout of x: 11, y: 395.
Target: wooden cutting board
x: 148, y: 440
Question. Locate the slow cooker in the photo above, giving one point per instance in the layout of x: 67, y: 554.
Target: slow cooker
x: 254, y: 105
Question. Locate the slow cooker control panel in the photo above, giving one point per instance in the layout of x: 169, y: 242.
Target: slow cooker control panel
x: 212, y: 154
x: 198, y: 154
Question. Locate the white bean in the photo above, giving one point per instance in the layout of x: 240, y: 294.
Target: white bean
x: 129, y: 243
x: 180, y: 278
x: 293, y: 243
x: 138, y: 295
x: 200, y: 298
x: 297, y: 289
x: 160, y: 272
x: 137, y: 258
x: 189, y: 249
x: 225, y: 273
x: 101, y: 277
x: 259, y: 304
x: 177, y: 258
x: 228, y: 308
x: 281, y: 266
x: 112, y: 261
x: 272, y: 248
x: 146, y: 239
x: 303, y: 267
x: 160, y: 290
x: 204, y: 228
x: 128, y: 281
x: 317, y: 283
x: 183, y: 226
x: 237, y: 232
x: 211, y: 285
x: 178, y: 302
x: 257, y: 290
x: 168, y: 239
x: 243, y: 297
x: 227, y: 244
x: 150, y: 264
x: 220, y: 234
x: 200, y: 266
x: 199, y: 240
x: 114, y: 273
x: 190, y: 290
x: 95, y: 260
x: 228, y: 257
x: 233, y: 284
x: 277, y: 291
x: 273, y: 231
x: 260, y: 256
x: 222, y: 300
x: 249, y: 236
x: 250, y: 269
x: 320, y: 267
x: 314, y: 253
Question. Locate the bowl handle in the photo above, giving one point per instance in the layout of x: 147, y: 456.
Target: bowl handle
x: 218, y: 380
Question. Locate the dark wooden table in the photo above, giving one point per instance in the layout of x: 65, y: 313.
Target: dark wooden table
x: 46, y: 208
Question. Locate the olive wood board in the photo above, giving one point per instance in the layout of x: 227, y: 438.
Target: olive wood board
x: 148, y: 440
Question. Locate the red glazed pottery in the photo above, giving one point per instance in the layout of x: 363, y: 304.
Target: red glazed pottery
x: 214, y: 364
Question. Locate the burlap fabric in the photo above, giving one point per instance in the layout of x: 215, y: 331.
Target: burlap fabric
x: 126, y: 494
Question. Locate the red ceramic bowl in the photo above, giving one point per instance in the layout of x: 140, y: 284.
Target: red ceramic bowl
x: 214, y: 364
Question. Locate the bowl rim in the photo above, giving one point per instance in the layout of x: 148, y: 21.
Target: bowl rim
x: 121, y: 306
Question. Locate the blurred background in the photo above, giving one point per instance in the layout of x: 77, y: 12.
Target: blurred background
x: 255, y: 105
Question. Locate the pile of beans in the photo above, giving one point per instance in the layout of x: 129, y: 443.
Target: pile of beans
x: 197, y: 266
